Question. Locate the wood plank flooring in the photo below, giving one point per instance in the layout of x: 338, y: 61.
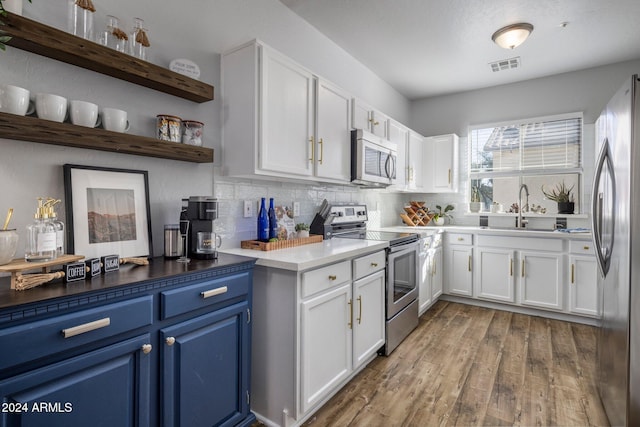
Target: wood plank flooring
x: 471, y: 366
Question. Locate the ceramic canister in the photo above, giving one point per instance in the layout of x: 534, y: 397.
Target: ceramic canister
x: 168, y: 127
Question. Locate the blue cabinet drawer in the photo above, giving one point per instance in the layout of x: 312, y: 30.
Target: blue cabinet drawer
x: 203, y: 294
x: 31, y: 341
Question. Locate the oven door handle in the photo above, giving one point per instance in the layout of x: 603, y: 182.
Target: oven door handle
x: 400, y: 250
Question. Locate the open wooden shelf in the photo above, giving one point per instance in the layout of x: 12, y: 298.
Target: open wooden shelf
x: 47, y: 132
x: 47, y: 41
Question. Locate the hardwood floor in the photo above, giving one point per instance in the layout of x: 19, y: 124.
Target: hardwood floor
x: 468, y: 366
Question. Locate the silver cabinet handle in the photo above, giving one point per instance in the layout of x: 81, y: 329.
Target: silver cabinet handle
x: 87, y: 327
x: 214, y: 292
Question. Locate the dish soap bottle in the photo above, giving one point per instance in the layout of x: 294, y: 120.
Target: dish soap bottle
x: 263, y: 223
x: 59, y: 225
x: 273, y: 221
x: 41, y: 237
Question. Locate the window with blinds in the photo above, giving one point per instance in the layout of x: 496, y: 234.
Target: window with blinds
x: 538, y: 152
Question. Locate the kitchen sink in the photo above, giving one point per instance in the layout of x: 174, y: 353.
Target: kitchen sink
x: 517, y: 229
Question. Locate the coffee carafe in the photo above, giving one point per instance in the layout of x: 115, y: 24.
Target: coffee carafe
x: 201, y: 211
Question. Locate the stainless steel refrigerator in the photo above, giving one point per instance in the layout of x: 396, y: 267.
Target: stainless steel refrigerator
x: 616, y: 234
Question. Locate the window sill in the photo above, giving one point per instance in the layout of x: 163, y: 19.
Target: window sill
x: 528, y: 215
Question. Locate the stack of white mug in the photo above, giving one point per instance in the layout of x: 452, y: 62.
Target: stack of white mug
x: 47, y: 106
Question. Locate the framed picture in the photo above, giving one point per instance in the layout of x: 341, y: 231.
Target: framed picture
x: 107, y: 211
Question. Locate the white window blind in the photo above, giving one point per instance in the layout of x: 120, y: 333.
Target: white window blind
x: 527, y: 146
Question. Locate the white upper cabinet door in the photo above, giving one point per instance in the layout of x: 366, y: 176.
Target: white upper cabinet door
x: 287, y: 107
x: 415, y: 156
x: 333, y: 132
x: 441, y: 163
x: 367, y: 118
x: 399, y: 134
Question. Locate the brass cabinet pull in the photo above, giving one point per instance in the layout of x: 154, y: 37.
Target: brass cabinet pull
x: 86, y: 327
x: 359, y: 309
x: 170, y: 341
x: 449, y: 176
x: 460, y: 239
x: 350, y: 324
x: 332, y: 277
x: 146, y: 348
x: 312, y: 150
x: 522, y: 270
x: 433, y: 267
x: 586, y: 248
x: 469, y: 262
x: 374, y: 122
x: 321, y: 142
x: 214, y: 292
x: 511, y: 267
x: 573, y: 273
x: 374, y: 264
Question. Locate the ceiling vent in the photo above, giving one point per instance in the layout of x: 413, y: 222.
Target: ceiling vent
x: 505, y: 64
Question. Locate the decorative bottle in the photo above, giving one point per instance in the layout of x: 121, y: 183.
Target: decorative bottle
x: 263, y: 223
x: 80, y: 18
x: 41, y: 237
x: 273, y: 221
x: 139, y: 40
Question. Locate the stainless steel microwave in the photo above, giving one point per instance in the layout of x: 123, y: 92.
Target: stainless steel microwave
x: 373, y: 159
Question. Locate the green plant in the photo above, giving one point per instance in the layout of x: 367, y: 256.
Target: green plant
x: 442, y: 212
x: 475, y: 194
x: 301, y: 226
x: 560, y: 194
x: 3, y: 37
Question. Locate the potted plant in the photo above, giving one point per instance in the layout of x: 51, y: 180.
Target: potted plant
x: 561, y: 194
x: 13, y: 6
x: 302, y: 230
x: 440, y: 215
x: 475, y: 204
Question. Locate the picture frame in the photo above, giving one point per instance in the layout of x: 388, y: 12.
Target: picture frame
x: 107, y: 212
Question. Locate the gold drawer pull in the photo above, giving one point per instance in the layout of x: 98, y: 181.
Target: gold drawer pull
x: 332, y: 277
x: 586, y: 248
x: 374, y: 264
x: 87, y: 327
x: 170, y: 341
x: 214, y: 292
x: 460, y: 239
x: 146, y: 348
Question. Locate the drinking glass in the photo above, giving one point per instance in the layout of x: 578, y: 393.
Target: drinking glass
x: 184, y: 231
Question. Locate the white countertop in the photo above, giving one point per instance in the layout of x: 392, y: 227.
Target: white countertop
x: 304, y: 257
x: 497, y: 231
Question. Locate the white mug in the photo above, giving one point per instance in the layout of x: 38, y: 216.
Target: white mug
x: 84, y: 113
x: 15, y: 100
x: 51, y: 107
x: 115, y: 120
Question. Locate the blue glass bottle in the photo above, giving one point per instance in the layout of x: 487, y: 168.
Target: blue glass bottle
x: 263, y: 223
x: 273, y: 221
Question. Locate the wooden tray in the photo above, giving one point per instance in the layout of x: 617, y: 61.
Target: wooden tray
x: 17, y: 266
x: 280, y: 244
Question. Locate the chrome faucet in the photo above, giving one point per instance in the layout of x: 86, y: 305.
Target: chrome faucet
x: 522, y: 223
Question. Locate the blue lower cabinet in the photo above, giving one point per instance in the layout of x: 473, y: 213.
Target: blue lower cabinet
x: 105, y: 387
x: 205, y: 369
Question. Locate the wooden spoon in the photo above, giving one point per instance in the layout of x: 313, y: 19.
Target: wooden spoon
x: 6, y: 221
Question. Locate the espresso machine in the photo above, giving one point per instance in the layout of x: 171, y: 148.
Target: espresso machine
x: 200, y: 212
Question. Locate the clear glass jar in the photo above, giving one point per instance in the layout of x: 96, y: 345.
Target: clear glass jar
x: 113, y: 36
x: 80, y: 18
x: 139, y: 40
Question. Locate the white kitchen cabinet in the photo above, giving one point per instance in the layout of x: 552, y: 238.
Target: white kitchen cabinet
x: 441, y: 164
x: 399, y: 134
x: 541, y: 281
x: 583, y: 285
x: 459, y: 263
x: 332, y: 154
x: 415, y: 158
x: 326, y: 343
x: 368, y: 118
x: 368, y: 317
x: 495, y: 279
x: 282, y: 121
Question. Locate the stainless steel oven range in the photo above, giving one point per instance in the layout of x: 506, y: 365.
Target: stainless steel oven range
x: 349, y: 221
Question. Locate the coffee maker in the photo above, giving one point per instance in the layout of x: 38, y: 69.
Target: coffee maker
x: 200, y: 211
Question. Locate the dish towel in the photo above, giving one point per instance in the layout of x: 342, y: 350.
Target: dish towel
x: 574, y: 230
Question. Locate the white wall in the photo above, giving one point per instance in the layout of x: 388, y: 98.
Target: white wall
x: 191, y: 29
x: 586, y: 90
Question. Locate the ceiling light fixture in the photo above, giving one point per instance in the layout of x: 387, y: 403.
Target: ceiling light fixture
x: 512, y: 36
